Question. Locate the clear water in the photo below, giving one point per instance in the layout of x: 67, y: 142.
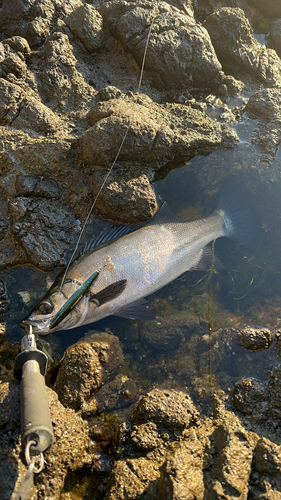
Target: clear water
x: 197, y: 314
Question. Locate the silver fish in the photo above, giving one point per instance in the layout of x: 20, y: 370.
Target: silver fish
x: 116, y: 272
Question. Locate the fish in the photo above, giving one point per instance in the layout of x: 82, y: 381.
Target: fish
x: 117, y: 271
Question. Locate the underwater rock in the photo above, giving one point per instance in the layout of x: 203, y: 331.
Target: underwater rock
x: 32, y: 19
x: 180, y: 53
x: 173, y: 410
x: 265, y: 105
x: 237, y: 48
x: 86, y: 23
x: 66, y: 454
x: 116, y: 394
x: 255, y: 339
x: 84, y: 367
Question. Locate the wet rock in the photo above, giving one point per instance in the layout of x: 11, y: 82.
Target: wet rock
x: 104, y: 431
x: 66, y: 454
x: 79, y: 375
x: 133, y: 478
x: 43, y: 228
x: 265, y: 480
x: 182, y: 473
x: 84, y: 367
x: 236, y: 47
x: 86, y: 23
x: 32, y: 185
x: 265, y: 105
x: 146, y: 437
x: 32, y: 19
x: 8, y: 352
x: 255, y: 339
x: 271, y: 9
x: 180, y: 53
x: 250, y: 397
x: 174, y: 410
x: 118, y: 393
x: 233, y: 449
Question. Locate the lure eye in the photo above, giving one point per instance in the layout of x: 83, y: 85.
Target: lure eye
x: 45, y: 308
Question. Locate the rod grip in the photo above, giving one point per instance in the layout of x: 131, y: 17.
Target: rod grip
x: 35, y: 414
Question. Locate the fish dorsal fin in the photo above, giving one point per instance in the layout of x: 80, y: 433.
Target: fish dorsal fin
x: 136, y: 310
x: 111, y: 234
x: 207, y: 259
x: 109, y: 293
x: 163, y: 216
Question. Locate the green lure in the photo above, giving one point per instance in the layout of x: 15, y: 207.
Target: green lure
x: 73, y: 300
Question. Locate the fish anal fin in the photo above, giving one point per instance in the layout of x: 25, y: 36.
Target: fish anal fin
x: 137, y: 310
x: 109, y: 293
x: 206, y: 260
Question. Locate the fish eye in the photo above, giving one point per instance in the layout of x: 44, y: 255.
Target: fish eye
x: 45, y: 308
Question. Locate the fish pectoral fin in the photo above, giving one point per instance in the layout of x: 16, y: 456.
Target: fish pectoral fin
x: 207, y: 259
x: 109, y: 293
x: 137, y: 310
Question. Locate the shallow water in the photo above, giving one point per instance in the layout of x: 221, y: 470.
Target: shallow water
x: 205, y: 353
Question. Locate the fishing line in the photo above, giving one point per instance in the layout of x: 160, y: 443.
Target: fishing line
x: 115, y: 159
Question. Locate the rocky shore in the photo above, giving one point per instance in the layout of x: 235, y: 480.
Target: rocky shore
x: 69, y: 94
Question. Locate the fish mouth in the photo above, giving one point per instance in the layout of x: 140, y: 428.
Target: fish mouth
x: 38, y: 326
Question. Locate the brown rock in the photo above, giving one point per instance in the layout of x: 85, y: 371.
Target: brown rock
x: 250, y: 398
x: 236, y: 47
x: 146, y: 437
x: 79, y: 376
x: 87, y: 24
x: 171, y: 409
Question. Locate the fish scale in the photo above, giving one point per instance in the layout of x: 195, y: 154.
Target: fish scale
x: 137, y: 264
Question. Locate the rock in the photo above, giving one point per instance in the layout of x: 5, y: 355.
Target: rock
x: 43, y: 228
x: 179, y: 54
x: 271, y: 9
x: 133, y: 478
x: 236, y: 47
x: 11, y: 62
x: 182, y: 473
x: 24, y: 112
x: 232, y: 457
x: 146, y: 436
x: 86, y: 23
x: 79, y: 375
x: 66, y: 454
x: 84, y: 367
x: 173, y: 410
x: 265, y: 105
x: 275, y: 36
x: 250, y: 397
x: 255, y: 339
x: 266, y: 480
x: 203, y: 9
x: 58, y: 75
x: 118, y: 393
x: 32, y: 19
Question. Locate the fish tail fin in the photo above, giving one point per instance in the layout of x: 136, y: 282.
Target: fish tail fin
x: 239, y: 221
